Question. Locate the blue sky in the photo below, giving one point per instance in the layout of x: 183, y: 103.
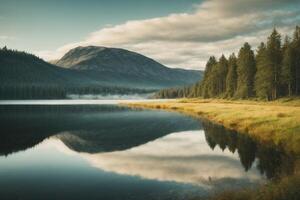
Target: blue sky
x: 177, y: 33
x: 47, y: 24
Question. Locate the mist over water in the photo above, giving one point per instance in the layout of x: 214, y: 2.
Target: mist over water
x: 111, y: 96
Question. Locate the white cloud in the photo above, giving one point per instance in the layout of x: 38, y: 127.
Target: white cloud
x: 168, y: 159
x: 6, y: 37
x: 188, y: 39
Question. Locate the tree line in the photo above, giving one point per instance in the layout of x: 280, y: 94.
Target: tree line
x: 35, y: 91
x: 272, y: 72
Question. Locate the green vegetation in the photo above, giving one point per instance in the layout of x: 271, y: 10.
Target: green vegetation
x: 273, y: 72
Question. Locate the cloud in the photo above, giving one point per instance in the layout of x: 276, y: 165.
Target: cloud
x: 169, y: 159
x: 188, y: 39
x: 5, y: 37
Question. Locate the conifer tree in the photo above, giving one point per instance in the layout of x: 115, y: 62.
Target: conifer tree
x: 296, y: 48
x: 245, y: 72
x: 213, y: 81
x: 288, y: 67
x: 275, y: 59
x: 222, y: 72
x: 207, y: 73
x: 263, y: 76
x: 231, y: 78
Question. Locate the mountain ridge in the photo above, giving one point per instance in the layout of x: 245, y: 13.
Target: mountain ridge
x: 24, y: 75
x: 125, y: 62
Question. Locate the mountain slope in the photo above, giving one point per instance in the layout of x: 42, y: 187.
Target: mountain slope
x: 25, y: 76
x: 123, y: 67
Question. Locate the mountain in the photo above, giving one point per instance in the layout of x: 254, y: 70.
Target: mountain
x: 26, y: 69
x: 25, y: 76
x: 85, y: 70
x: 121, y: 67
x: 86, y: 128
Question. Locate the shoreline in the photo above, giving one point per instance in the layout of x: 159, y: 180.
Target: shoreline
x: 277, y: 122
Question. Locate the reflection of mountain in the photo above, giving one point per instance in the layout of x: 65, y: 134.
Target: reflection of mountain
x: 182, y: 157
x: 123, y: 130
x: 271, y: 161
x: 90, y: 128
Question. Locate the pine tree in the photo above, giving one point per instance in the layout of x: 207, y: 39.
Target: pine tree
x: 288, y: 67
x: 263, y: 76
x: 231, y: 78
x: 222, y: 72
x: 213, y: 81
x: 275, y: 59
x: 207, y: 73
x: 296, y: 48
x: 245, y: 72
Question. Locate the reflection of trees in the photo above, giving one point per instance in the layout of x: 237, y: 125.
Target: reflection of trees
x: 271, y: 161
x: 274, y: 162
x: 246, y: 150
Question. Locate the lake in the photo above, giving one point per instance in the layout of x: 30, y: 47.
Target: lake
x: 99, y: 150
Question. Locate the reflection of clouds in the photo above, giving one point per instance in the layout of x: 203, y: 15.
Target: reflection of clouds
x: 57, y: 144
x: 181, y: 157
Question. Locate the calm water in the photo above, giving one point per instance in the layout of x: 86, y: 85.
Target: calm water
x: 109, y: 152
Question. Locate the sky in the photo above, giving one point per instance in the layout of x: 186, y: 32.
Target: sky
x: 177, y: 33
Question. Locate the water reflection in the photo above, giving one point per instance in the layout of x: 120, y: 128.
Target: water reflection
x: 89, y: 128
x: 181, y: 157
x: 147, y: 151
x: 271, y: 161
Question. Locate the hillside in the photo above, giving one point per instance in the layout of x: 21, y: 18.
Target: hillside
x: 25, y: 76
x: 126, y: 68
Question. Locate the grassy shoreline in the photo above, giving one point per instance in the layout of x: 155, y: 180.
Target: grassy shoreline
x: 277, y: 122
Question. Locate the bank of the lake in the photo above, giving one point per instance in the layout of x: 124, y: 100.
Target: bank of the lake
x: 277, y: 121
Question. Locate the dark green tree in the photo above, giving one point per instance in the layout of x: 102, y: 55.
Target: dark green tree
x: 288, y: 67
x: 213, y: 81
x: 263, y: 76
x: 231, y: 78
x: 275, y: 59
x: 246, y: 72
x: 207, y: 74
x: 222, y: 72
x: 296, y: 48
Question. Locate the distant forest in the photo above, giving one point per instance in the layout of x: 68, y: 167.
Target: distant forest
x: 61, y: 92
x: 271, y: 73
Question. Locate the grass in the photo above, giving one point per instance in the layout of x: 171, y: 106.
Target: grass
x: 276, y: 121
